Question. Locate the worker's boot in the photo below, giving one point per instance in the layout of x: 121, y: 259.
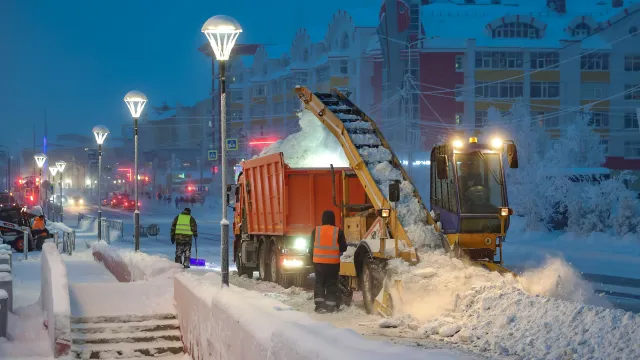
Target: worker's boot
x: 178, y: 260
x: 320, y: 308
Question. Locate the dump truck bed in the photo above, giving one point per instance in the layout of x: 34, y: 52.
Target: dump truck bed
x: 290, y: 201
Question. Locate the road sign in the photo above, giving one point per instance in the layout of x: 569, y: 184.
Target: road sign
x: 213, y: 154
x: 232, y: 144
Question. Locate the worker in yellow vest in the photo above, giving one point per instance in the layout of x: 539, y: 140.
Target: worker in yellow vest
x: 183, y: 229
x: 328, y: 245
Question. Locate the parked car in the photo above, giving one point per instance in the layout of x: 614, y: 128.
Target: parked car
x: 130, y: 204
x: 118, y: 201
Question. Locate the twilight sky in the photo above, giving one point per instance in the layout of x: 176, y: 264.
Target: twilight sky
x: 77, y: 58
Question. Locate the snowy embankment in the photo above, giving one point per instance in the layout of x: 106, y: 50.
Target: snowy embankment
x: 238, y: 324
x: 128, y: 265
x: 55, y: 299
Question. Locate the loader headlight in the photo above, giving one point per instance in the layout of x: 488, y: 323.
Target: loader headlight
x: 496, y: 143
x: 385, y: 213
x: 457, y: 144
x: 300, y: 244
x: 505, y: 211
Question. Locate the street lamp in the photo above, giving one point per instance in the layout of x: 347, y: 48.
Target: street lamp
x: 100, y: 133
x: 40, y: 159
x: 60, y: 165
x: 136, y: 100
x: 222, y: 32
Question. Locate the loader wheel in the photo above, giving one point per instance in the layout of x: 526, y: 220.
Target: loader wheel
x: 370, y: 283
x: 263, y: 269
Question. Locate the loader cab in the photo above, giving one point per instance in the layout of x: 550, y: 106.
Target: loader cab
x: 468, y: 193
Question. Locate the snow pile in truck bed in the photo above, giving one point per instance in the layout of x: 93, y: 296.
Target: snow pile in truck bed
x: 312, y: 146
x: 542, y: 314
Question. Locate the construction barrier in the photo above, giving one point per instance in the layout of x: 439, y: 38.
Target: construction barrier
x: 54, y: 296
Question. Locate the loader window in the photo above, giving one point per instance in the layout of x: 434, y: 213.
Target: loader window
x: 480, y: 183
x: 443, y: 191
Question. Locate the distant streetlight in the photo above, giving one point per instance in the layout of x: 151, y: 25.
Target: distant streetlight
x: 100, y: 132
x: 40, y: 159
x: 61, y: 165
x: 222, y: 32
x: 136, y: 100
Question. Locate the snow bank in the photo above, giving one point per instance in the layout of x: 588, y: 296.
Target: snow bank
x: 312, y: 146
x: 54, y: 295
x: 542, y: 314
x: 29, y: 338
x: 234, y: 323
x: 128, y: 265
x: 56, y: 226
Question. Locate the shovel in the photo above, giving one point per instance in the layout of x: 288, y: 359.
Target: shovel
x: 196, y: 261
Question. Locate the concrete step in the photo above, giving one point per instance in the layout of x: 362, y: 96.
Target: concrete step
x: 126, y: 337
x: 129, y: 327
x: 120, y: 318
x: 117, y: 351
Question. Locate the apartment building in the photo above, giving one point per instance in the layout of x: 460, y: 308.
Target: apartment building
x: 554, y: 55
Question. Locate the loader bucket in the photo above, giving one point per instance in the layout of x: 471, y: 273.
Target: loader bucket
x: 383, y: 303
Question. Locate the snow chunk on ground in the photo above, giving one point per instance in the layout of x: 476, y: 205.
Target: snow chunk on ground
x: 312, y: 146
x: 347, y: 256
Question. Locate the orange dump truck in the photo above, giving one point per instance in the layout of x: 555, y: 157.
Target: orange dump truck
x: 275, y: 209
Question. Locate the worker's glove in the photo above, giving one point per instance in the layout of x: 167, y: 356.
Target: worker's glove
x: 173, y: 240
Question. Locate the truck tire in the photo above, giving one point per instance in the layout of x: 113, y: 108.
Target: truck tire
x: 292, y: 279
x: 263, y: 265
x: 370, y: 282
x: 275, y: 275
x: 242, y: 270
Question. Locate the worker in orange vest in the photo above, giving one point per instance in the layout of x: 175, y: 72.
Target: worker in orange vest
x: 328, y: 245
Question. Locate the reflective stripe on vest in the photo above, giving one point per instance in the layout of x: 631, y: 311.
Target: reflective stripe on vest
x: 183, y: 226
x: 325, y: 245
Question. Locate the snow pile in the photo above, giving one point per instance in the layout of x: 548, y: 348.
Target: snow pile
x: 542, y: 314
x: 252, y: 326
x: 128, y: 265
x: 29, y: 338
x: 56, y: 226
x: 54, y: 296
x: 312, y: 146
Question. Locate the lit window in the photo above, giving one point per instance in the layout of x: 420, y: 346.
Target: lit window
x: 459, y: 63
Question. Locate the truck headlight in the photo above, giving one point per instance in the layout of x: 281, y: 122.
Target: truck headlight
x: 71, y: 201
x: 292, y: 263
x: 300, y: 244
x: 505, y: 211
x: 81, y: 202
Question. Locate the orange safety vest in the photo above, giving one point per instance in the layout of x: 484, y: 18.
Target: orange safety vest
x: 325, y: 246
x: 38, y: 224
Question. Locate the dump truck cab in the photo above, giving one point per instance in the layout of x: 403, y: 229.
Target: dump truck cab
x: 469, y: 196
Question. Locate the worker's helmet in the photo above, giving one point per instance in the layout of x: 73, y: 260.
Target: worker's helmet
x: 187, y: 210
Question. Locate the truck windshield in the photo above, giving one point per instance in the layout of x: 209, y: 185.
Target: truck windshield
x: 480, y: 183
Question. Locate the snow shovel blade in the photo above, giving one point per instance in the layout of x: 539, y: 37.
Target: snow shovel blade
x: 197, y: 262
x: 383, y: 303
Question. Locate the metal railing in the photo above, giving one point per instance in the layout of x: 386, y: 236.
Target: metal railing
x: 107, y: 226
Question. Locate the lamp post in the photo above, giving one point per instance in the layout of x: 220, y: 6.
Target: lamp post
x: 222, y: 32
x: 60, y: 165
x: 100, y: 132
x: 40, y: 159
x: 53, y: 170
x: 135, y: 100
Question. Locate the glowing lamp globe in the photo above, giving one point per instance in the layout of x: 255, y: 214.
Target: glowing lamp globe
x: 61, y: 165
x: 40, y: 159
x: 135, y: 100
x: 222, y: 32
x: 53, y: 170
x: 100, y: 133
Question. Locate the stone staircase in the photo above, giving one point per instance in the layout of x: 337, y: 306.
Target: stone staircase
x: 118, y: 337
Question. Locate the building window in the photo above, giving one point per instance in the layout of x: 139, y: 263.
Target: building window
x: 260, y: 90
x: 458, y: 92
x: 344, y: 67
x: 632, y: 63
x: 459, y: 62
x: 345, y: 41
x: 323, y: 73
x: 594, y: 61
x: 599, y: 119
x: 481, y: 118
x: 552, y: 120
x: 605, y: 146
x: 500, y: 90
x: 278, y: 108
x: 545, y: 90
x: 236, y: 96
x: 631, y: 120
x: 236, y: 115
x: 499, y: 60
x: 545, y: 60
x: 259, y: 110
x: 632, y: 149
x: 582, y: 30
x: 516, y: 30
x: 414, y: 10
x: 459, y: 119
x: 632, y: 92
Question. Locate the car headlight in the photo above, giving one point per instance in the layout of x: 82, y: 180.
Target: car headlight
x: 81, y: 201
x: 71, y: 201
x: 300, y: 244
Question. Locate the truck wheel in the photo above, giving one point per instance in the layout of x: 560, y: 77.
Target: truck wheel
x: 263, y: 267
x: 275, y: 269
x: 370, y: 284
x: 242, y: 270
x: 292, y: 279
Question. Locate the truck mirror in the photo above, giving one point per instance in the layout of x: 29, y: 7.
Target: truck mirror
x: 441, y: 167
x: 512, y: 156
x: 394, y: 192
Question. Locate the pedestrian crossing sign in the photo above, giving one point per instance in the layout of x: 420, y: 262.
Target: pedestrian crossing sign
x: 213, y: 154
x: 232, y: 144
